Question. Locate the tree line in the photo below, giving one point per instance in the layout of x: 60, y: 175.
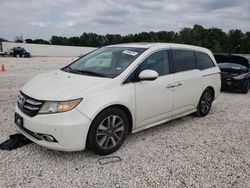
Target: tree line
x: 215, y: 39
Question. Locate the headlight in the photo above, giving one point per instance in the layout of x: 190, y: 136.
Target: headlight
x: 50, y: 107
x: 242, y: 76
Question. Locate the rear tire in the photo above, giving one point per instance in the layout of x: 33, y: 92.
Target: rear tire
x: 245, y: 87
x: 108, y: 131
x: 205, y: 103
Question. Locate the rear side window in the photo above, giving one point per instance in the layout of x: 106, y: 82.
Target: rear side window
x: 203, y: 61
x: 183, y: 60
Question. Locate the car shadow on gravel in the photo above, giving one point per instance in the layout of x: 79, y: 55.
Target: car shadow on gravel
x: 233, y: 92
x: 145, y: 135
x: 15, y: 141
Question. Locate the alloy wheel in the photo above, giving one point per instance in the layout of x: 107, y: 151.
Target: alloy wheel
x: 110, y: 131
x: 206, y: 102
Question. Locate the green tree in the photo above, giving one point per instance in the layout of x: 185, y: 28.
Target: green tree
x: 74, y: 41
x: 235, y: 40
x: 58, y: 40
x: 185, y: 36
x: 113, y: 38
x: 28, y: 40
x: 37, y: 41
x: 164, y: 36
x: 198, y: 35
x: 245, y: 44
x: 215, y: 39
x: 3, y: 40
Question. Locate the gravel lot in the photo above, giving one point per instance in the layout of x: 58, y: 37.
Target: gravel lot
x: 213, y: 151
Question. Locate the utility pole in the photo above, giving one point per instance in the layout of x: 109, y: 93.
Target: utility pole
x: 22, y: 37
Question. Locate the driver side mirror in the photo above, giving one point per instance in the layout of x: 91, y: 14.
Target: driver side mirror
x: 148, y: 75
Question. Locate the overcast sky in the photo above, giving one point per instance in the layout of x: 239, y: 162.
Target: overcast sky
x: 44, y: 18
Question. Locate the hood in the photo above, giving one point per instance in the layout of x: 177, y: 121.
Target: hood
x: 220, y: 58
x: 59, y: 85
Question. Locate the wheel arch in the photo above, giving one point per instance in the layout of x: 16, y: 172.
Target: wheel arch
x: 212, y: 89
x: 124, y: 109
x: 208, y: 87
x: 128, y: 113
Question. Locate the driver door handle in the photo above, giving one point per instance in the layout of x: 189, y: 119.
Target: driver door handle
x: 169, y: 86
x: 178, y: 84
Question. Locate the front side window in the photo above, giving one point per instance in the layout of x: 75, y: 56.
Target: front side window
x: 183, y: 60
x: 158, y: 62
x: 203, y: 61
x: 106, y: 62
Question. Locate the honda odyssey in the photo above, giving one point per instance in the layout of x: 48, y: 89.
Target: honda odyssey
x: 97, y: 100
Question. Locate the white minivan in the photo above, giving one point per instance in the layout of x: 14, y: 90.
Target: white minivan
x: 98, y: 99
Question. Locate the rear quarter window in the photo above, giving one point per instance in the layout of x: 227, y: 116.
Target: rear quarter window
x: 203, y: 61
x: 183, y: 60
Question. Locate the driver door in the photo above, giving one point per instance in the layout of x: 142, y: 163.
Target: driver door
x: 154, y: 99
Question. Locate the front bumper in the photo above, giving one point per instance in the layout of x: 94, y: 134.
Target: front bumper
x: 232, y: 84
x: 70, y: 129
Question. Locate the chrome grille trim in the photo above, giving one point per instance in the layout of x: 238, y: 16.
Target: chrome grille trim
x: 34, y: 103
x: 31, y: 107
x: 28, y: 105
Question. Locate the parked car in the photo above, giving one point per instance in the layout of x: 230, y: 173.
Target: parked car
x: 2, y: 53
x: 115, y: 90
x: 9, y: 52
x: 20, y: 52
x: 235, y: 72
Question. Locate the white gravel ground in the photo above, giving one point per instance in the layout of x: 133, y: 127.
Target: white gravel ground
x: 213, y: 151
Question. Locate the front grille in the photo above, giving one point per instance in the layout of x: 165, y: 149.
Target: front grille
x: 28, y: 105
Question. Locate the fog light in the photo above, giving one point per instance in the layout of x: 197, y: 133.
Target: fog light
x: 49, y: 138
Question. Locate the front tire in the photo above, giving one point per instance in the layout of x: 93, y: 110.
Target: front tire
x: 245, y: 87
x: 108, y: 131
x: 205, y: 103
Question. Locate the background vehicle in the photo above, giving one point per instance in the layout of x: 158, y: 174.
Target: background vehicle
x: 7, y: 53
x: 2, y: 54
x: 100, y: 98
x: 20, y: 52
x: 235, y: 72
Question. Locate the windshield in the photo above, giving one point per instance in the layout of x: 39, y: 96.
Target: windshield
x: 106, y: 61
x: 232, y: 66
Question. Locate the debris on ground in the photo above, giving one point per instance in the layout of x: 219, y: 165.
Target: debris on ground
x: 15, y: 141
x: 110, y: 159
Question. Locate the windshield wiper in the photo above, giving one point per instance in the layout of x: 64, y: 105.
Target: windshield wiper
x: 86, y: 72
